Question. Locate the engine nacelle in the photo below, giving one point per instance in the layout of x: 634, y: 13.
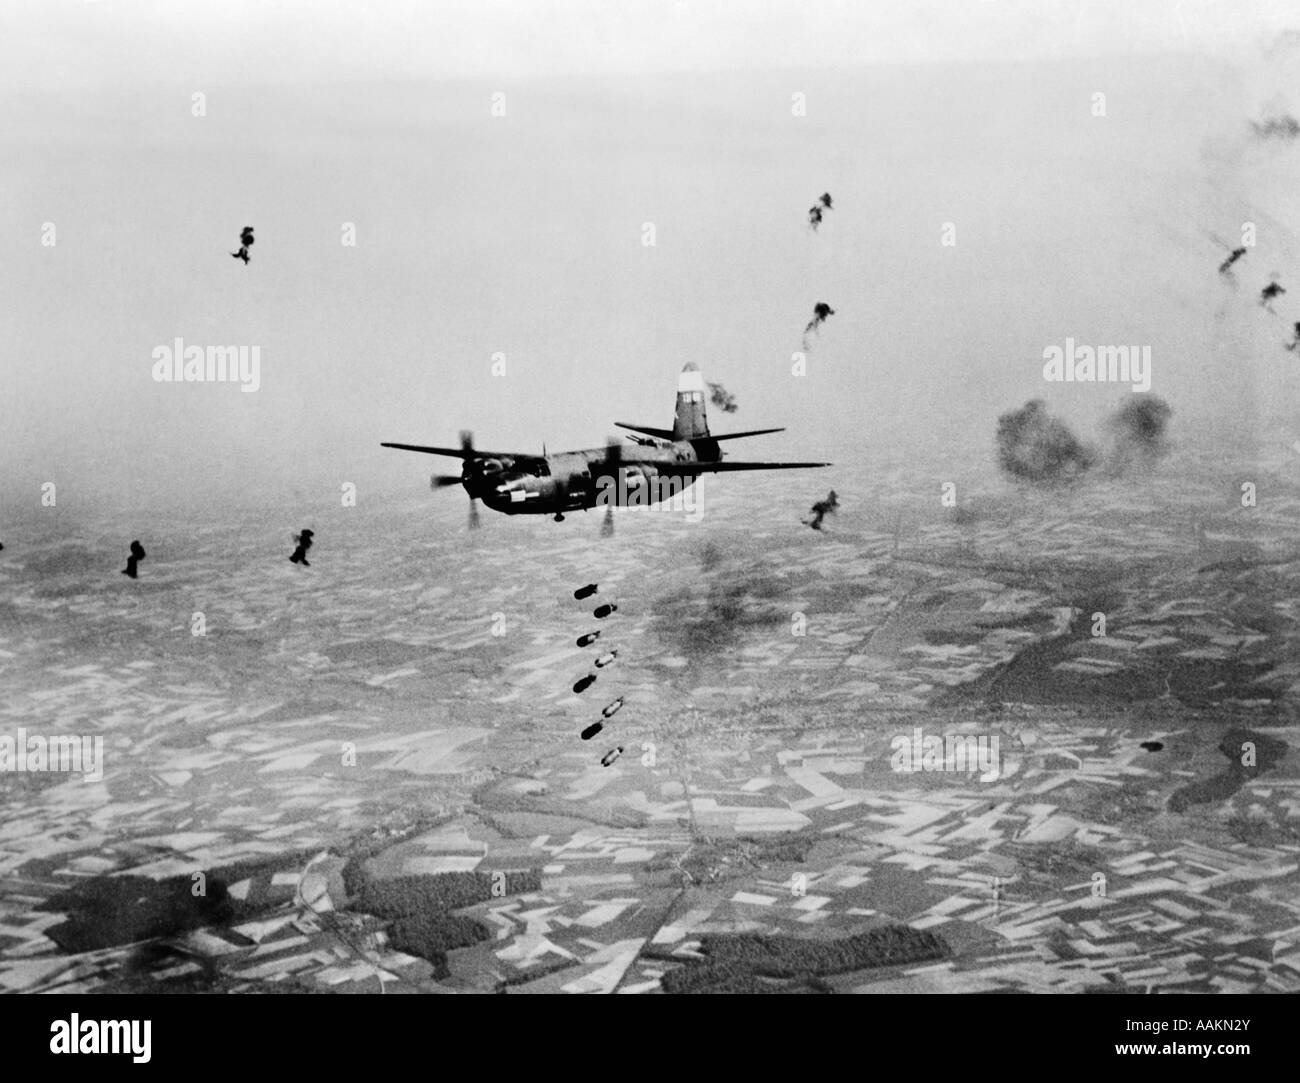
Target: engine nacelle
x: 521, y: 488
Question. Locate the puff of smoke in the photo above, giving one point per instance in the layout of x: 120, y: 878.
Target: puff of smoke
x: 720, y: 397
x: 1036, y: 446
x: 1138, y: 432
x: 1277, y: 126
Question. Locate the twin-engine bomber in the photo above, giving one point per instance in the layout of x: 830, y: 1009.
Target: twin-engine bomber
x: 665, y: 462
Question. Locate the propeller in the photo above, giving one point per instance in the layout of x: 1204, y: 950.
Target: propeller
x: 472, y: 468
x: 613, y: 457
x: 467, y: 444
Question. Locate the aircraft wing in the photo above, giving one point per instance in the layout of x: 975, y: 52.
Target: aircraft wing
x: 708, y: 468
x: 719, y: 467
x: 460, y: 453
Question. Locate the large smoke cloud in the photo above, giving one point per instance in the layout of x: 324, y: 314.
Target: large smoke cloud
x: 1035, y: 445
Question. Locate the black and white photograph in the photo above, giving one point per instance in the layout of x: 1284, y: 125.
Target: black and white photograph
x: 651, y: 497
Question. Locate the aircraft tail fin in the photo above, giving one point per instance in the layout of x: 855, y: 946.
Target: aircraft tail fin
x: 690, y: 422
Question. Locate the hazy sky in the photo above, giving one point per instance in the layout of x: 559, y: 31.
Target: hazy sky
x: 523, y: 234
x: 76, y: 43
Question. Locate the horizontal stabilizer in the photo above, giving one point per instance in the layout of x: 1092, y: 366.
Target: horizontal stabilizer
x: 738, y: 435
x: 663, y: 434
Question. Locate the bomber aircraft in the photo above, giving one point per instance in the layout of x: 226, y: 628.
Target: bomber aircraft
x: 664, y: 463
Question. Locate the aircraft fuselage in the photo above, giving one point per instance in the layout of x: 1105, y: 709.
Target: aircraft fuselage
x: 591, y: 478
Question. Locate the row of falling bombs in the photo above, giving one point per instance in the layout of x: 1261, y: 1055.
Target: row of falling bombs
x: 610, y: 709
